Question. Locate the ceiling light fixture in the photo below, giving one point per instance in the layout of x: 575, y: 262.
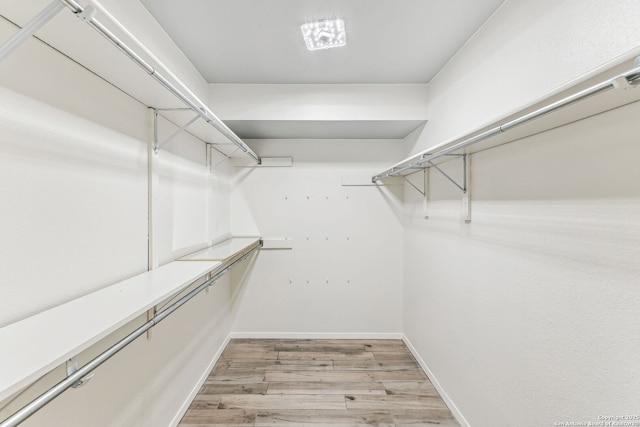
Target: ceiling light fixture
x: 324, y: 34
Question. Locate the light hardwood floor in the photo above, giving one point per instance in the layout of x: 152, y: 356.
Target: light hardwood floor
x: 335, y: 383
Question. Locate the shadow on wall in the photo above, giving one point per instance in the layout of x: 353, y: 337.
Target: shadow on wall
x: 240, y: 277
x: 394, y: 196
x: 567, y: 193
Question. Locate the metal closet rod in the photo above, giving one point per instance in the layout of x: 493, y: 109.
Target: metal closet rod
x: 46, y: 397
x: 631, y: 77
x: 202, y: 110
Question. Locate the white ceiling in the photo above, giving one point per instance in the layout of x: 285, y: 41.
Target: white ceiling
x: 259, y: 41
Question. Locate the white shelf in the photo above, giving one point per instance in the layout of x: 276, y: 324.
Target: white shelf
x: 34, y: 346
x: 610, y: 89
x: 224, y: 251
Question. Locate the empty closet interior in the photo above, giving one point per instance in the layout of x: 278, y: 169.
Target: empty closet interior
x: 458, y: 175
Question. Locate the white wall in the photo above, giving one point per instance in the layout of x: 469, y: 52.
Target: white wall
x: 319, y: 102
x: 525, y: 316
x: 74, y: 219
x: 346, y: 241
x: 525, y: 52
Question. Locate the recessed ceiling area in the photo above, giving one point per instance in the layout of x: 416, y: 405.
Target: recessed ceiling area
x: 245, y: 45
x: 259, y: 41
x: 325, y: 129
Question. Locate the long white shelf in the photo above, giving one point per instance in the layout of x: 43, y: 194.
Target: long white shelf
x: 34, y: 346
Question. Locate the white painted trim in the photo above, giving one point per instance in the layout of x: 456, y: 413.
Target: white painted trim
x: 196, y: 388
x: 319, y: 335
x: 447, y: 400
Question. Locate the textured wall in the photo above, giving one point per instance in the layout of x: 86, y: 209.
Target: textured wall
x: 525, y: 316
x: 526, y: 51
x: 73, y: 219
x: 344, y: 272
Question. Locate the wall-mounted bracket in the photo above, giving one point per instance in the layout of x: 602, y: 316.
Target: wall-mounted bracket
x: 465, y: 187
x: 87, y: 15
x: 462, y: 187
x: 267, y: 162
x: 466, y: 197
x: 151, y: 313
x: 72, y: 367
x: 158, y: 145
x: 227, y: 157
x: 422, y: 192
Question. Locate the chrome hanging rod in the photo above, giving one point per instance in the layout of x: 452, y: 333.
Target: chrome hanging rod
x: 46, y: 397
x: 87, y: 15
x: 630, y: 78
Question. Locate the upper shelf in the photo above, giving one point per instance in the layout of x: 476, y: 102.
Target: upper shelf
x: 324, y: 129
x: 32, y: 347
x: 120, y: 66
x: 597, y: 95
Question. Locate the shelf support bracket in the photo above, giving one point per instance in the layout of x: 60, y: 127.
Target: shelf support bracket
x: 425, y: 176
x: 462, y: 187
x: 227, y: 157
x: 159, y: 145
x: 466, y: 196
x: 30, y: 28
x: 151, y: 314
x: 72, y: 367
x: 423, y: 193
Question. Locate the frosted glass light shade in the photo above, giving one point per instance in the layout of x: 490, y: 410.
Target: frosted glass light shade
x: 324, y: 34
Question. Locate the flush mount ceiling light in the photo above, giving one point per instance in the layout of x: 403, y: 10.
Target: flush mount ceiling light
x: 324, y: 34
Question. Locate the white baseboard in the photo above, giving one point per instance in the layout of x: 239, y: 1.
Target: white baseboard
x: 196, y: 388
x: 318, y: 335
x: 447, y: 400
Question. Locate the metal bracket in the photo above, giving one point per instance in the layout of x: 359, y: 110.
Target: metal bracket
x: 425, y: 178
x: 151, y: 313
x: 227, y: 157
x: 158, y: 145
x: 72, y: 367
x: 87, y: 14
x: 466, y: 197
x: 621, y: 82
x: 423, y: 193
x: 462, y: 187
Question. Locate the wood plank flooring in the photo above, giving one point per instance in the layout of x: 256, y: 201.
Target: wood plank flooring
x: 335, y: 383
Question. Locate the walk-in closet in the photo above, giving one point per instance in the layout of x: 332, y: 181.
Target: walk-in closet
x: 319, y: 213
